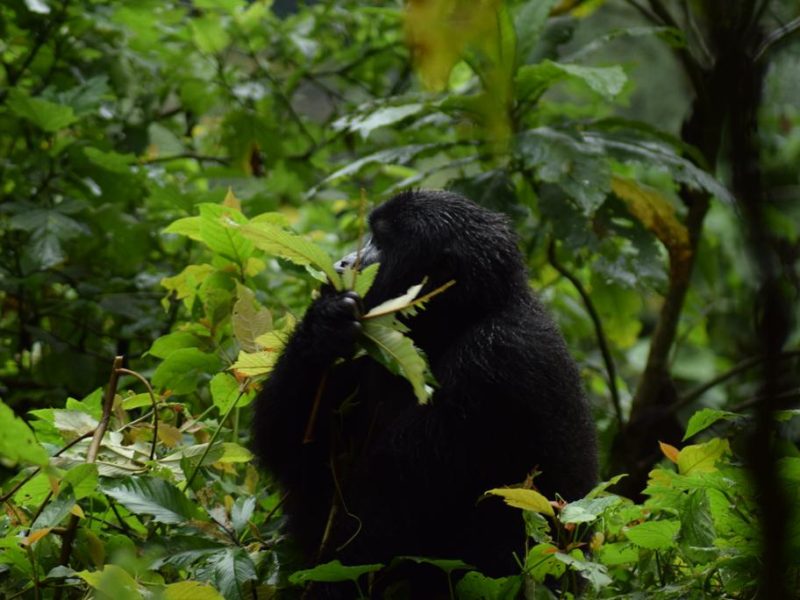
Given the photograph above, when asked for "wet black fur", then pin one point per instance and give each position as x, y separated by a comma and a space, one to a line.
509, 401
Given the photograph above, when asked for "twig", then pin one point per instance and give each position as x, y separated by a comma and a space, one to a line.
184, 155
91, 457
602, 341
777, 36
155, 407
747, 364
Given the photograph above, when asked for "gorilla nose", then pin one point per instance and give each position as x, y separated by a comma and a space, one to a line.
344, 262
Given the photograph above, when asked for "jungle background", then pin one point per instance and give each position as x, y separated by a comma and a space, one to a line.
647, 152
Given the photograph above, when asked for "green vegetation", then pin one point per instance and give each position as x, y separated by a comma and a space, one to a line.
174, 176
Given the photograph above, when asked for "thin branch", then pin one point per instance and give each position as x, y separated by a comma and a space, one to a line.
598, 330
91, 456
776, 37
742, 367
154, 403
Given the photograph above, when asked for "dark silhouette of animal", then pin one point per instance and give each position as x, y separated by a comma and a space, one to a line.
405, 478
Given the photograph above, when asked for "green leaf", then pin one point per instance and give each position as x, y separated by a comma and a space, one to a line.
17, 442
525, 499
188, 226
364, 124
183, 369
533, 80
446, 565
55, 511
191, 590
397, 353
226, 390
167, 344
234, 453
112, 582
110, 161
332, 572
360, 281
394, 305
702, 458
82, 479
217, 233
587, 510
209, 34
230, 571
46, 115
654, 535
580, 169
697, 532
530, 20
705, 418
291, 247
153, 497
617, 554
255, 364
477, 586
596, 574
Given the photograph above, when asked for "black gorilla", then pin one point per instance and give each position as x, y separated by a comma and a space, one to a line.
407, 478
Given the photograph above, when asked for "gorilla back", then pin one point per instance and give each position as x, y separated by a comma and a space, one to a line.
406, 478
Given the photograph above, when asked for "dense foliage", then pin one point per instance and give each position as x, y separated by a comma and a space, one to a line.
154, 157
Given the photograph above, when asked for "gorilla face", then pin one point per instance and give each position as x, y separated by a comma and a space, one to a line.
439, 236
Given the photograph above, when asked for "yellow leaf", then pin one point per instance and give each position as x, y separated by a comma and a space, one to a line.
656, 213
169, 435
231, 201
438, 31
671, 452
254, 364
78, 511
525, 499
702, 458
35, 536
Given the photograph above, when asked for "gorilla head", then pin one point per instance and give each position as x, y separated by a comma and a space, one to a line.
405, 479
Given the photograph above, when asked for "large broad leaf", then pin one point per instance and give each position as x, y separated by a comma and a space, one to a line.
705, 418
525, 499
385, 344
191, 590
587, 510
46, 115
230, 571
529, 20
477, 586
654, 535
332, 572
393, 156
292, 247
255, 364
17, 442
702, 458
533, 80
182, 370
366, 122
222, 239
112, 582
153, 497
250, 320
580, 169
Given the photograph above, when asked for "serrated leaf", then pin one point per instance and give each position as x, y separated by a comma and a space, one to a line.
587, 510
218, 234
705, 418
525, 499
395, 304
702, 458
362, 280
291, 247
153, 497
17, 442
249, 320
332, 572
654, 535
46, 115
397, 353
255, 364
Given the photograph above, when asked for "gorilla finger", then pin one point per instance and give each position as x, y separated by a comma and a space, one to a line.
353, 304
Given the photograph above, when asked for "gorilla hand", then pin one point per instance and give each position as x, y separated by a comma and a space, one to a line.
331, 326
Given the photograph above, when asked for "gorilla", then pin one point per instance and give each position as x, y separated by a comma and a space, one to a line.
406, 479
